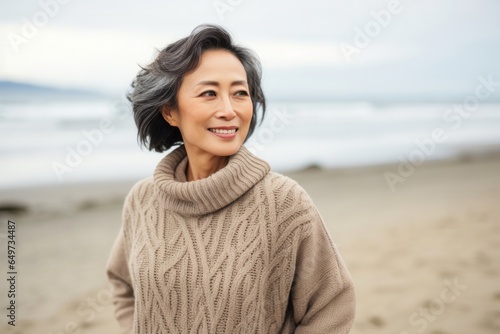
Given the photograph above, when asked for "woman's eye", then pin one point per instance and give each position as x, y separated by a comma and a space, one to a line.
242, 93
208, 93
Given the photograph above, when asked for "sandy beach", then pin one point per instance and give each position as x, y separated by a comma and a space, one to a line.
425, 258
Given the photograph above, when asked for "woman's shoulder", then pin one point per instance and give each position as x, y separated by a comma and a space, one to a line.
286, 189
291, 205
279, 182
139, 191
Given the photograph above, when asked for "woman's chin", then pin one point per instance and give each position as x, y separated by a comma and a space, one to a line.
226, 150
215, 146
224, 147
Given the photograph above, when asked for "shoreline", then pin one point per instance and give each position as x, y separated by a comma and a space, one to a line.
62, 198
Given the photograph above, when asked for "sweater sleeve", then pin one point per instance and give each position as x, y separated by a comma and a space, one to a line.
322, 292
119, 278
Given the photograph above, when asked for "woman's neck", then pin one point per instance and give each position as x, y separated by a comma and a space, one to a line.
202, 165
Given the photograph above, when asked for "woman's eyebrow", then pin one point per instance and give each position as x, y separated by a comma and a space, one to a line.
216, 83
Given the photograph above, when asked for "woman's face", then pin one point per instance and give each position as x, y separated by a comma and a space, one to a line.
214, 108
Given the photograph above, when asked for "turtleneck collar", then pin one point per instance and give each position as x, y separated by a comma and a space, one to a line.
210, 194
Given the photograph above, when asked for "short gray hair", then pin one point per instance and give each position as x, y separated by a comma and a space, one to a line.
157, 84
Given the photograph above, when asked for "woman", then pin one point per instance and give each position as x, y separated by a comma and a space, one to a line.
215, 242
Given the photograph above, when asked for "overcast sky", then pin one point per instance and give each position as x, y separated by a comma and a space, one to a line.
308, 48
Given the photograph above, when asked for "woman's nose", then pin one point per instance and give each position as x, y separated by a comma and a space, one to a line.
226, 109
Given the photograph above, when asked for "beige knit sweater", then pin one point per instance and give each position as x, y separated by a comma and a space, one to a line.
242, 251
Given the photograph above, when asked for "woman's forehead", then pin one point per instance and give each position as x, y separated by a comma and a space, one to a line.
217, 65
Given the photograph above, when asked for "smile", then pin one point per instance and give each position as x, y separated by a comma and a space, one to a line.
223, 131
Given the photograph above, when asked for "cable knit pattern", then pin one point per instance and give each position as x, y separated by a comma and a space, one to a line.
242, 251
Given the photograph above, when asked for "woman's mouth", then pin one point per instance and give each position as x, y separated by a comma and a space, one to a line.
223, 131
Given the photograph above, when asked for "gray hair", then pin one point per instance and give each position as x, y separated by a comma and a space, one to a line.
157, 84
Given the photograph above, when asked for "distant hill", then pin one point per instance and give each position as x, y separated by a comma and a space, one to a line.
25, 92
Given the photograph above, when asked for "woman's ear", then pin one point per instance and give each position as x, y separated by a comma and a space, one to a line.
170, 115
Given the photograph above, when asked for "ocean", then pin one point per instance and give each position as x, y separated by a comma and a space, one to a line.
80, 141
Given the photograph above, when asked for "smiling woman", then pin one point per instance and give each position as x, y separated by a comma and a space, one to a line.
215, 242
213, 112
